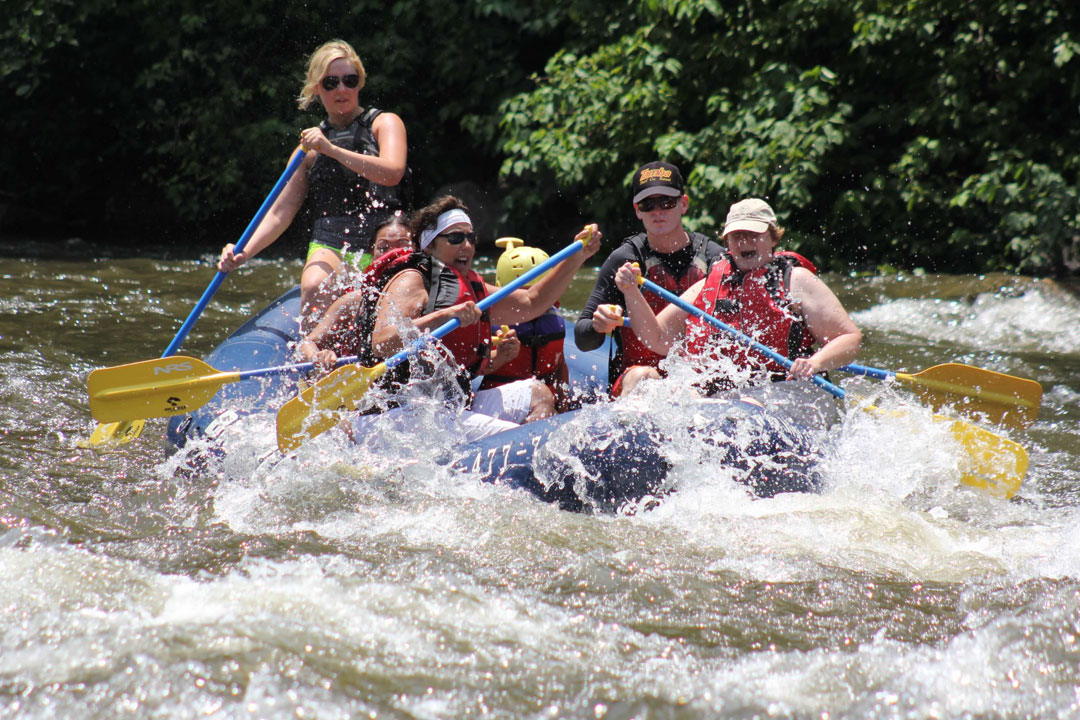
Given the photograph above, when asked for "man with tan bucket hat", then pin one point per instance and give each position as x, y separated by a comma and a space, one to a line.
775, 297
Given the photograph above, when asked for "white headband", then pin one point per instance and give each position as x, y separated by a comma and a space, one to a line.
448, 218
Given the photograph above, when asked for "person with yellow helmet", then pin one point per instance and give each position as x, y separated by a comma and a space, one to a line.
539, 342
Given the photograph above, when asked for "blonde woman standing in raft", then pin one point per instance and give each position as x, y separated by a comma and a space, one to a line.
355, 164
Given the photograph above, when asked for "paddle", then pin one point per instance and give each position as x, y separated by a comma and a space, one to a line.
127, 430
993, 463
997, 397
1000, 398
173, 386
168, 386
343, 387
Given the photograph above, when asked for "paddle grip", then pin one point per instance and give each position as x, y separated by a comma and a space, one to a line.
741, 337
219, 277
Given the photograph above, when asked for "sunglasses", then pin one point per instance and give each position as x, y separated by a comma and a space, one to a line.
330, 82
663, 202
456, 238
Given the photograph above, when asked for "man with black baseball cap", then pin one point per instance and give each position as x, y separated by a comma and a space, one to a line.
668, 255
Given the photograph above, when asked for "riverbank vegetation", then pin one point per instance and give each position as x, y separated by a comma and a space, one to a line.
942, 134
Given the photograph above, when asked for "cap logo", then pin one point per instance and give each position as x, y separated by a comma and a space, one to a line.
654, 174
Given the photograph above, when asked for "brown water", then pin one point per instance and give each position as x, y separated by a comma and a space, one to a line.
330, 586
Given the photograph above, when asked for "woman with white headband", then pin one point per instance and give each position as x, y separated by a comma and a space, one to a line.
431, 293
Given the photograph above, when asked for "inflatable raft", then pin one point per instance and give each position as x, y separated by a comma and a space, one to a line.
605, 457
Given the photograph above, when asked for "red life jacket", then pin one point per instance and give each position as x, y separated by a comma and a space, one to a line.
352, 335
634, 352
757, 303
446, 287
541, 353
469, 345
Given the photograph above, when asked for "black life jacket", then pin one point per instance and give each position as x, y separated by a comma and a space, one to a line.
338, 198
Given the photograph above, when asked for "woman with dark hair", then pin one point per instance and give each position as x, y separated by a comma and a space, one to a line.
439, 284
345, 329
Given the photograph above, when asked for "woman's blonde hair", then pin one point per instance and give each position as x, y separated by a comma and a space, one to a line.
319, 62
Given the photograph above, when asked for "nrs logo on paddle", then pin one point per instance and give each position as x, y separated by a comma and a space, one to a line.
172, 367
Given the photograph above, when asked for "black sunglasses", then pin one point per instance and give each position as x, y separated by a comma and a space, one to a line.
456, 238
664, 202
331, 81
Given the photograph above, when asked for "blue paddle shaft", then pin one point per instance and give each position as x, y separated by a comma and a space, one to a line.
296, 368
439, 332
450, 325
868, 371
741, 337
211, 289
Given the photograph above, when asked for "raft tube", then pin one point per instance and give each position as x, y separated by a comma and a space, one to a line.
267, 339
606, 457
609, 459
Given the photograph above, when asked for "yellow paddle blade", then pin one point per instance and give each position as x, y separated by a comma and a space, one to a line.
163, 387
1001, 398
993, 463
116, 433
314, 411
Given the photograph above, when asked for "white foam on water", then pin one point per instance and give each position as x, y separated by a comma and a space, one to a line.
1041, 320
892, 501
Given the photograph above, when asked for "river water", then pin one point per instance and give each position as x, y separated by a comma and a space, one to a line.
329, 586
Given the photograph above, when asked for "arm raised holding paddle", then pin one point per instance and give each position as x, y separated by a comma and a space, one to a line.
443, 288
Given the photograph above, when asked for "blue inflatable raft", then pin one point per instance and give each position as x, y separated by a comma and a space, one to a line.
601, 458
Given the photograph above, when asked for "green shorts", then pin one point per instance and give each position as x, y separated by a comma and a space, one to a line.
359, 260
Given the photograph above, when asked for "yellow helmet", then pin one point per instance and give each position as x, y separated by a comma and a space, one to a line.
516, 260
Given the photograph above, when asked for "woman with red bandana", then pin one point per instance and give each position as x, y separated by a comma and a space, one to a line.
774, 297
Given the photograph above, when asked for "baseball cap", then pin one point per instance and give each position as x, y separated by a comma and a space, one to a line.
657, 178
751, 214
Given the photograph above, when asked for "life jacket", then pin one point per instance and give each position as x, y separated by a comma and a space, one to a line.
633, 350
339, 198
757, 303
471, 345
541, 353
352, 334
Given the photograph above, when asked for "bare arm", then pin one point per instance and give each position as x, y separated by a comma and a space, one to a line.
532, 302
386, 168
658, 332
341, 312
405, 297
277, 219
828, 323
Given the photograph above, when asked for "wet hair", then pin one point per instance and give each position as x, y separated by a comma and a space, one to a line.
427, 217
386, 219
319, 62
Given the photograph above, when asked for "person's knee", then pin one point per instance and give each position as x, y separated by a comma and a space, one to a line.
635, 375
310, 284
542, 404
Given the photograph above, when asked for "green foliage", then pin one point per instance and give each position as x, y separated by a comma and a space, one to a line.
901, 133
866, 125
